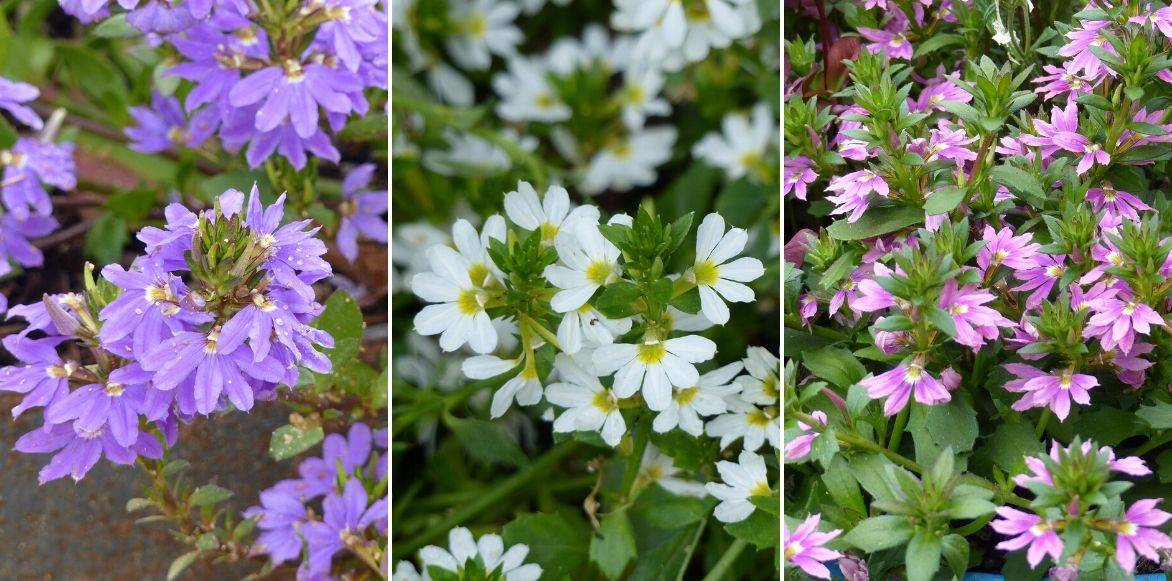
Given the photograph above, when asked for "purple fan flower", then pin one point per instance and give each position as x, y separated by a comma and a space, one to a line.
975, 323
1063, 80
352, 452
361, 212
890, 41
78, 451
1090, 34
13, 95
899, 384
14, 240
1131, 465
215, 59
1003, 248
282, 519
1041, 278
798, 175
29, 164
159, 17
853, 189
1138, 533
345, 519
294, 91
219, 365
286, 141
1117, 321
1027, 530
114, 405
44, 377
148, 311
350, 26
163, 125
295, 254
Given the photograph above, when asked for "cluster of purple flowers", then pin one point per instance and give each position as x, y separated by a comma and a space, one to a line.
255, 92
32, 166
168, 349
350, 480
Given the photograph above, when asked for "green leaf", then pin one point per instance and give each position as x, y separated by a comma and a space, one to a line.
838, 366
688, 301
613, 545
137, 504
741, 202
761, 529
207, 542
1009, 444
209, 495
105, 240
1110, 426
880, 532
1019, 181
923, 556
180, 564
941, 320
664, 510
1158, 416
956, 552
843, 487
839, 268
952, 425
1164, 466
557, 542
98, 78
618, 300
289, 441
944, 200
687, 451
936, 42
371, 127
115, 27
969, 507
487, 442
133, 205
876, 222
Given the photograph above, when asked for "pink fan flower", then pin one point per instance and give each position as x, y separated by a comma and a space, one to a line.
1003, 248
807, 307
975, 323
1063, 80
854, 189
899, 384
940, 91
799, 447
1117, 321
945, 143
1027, 530
1062, 133
1055, 390
806, 547
1137, 533
1116, 202
1041, 278
798, 174
1081, 40
872, 297
890, 40
1130, 465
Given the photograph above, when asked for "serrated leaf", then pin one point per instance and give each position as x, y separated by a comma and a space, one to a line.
1158, 416
487, 442
760, 528
617, 300
557, 542
879, 532
612, 546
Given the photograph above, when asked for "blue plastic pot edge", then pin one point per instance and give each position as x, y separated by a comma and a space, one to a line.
836, 573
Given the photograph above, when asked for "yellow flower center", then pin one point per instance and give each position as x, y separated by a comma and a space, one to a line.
469, 302
761, 489
479, 274
599, 272
114, 389
958, 309
1000, 255
685, 396
634, 94
622, 150
605, 402
293, 71
545, 100
651, 353
476, 26
913, 374
706, 273
1066, 380
61, 371
759, 418
769, 386
548, 231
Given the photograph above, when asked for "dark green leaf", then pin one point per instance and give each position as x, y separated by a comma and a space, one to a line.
876, 222
487, 442
557, 542
613, 545
289, 441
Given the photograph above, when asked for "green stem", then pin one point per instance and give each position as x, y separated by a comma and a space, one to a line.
897, 431
635, 460
720, 570
692, 548
502, 490
1153, 443
1041, 427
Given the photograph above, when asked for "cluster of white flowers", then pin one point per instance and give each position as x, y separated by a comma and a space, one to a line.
487, 554
590, 97
599, 369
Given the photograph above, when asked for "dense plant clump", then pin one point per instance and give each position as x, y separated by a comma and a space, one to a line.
585, 205
977, 264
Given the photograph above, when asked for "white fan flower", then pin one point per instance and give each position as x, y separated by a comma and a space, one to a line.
485, 28
629, 162
590, 262
718, 279
640, 96
747, 422
526, 94
654, 366
551, 215
410, 255
742, 481
661, 469
672, 34
740, 150
589, 406
524, 387
706, 398
761, 386
463, 547
460, 314
467, 155
473, 247
586, 327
